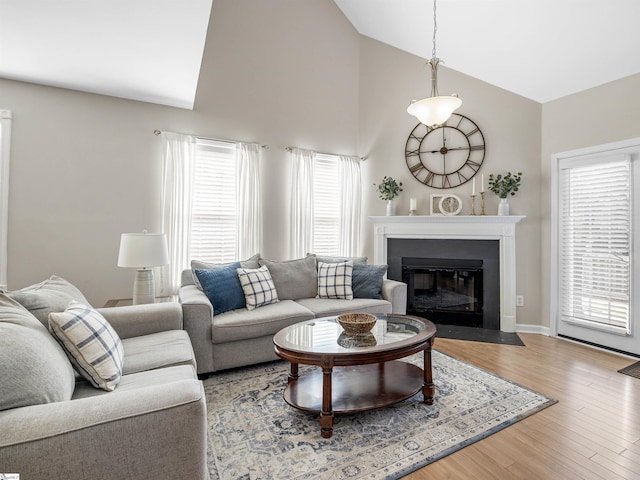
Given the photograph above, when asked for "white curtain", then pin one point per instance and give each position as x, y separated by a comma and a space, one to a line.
249, 214
301, 221
177, 180
351, 191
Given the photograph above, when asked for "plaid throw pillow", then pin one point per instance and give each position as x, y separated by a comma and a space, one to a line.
334, 280
92, 345
258, 287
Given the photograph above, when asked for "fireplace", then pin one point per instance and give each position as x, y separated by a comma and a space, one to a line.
444, 290
449, 270
495, 233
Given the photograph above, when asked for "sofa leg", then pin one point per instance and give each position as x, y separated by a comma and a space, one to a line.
203, 376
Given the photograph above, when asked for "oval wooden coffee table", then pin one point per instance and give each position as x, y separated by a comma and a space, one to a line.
358, 373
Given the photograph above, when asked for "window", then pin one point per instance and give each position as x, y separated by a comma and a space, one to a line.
595, 243
326, 202
214, 213
5, 138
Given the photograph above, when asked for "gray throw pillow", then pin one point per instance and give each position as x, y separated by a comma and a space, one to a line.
328, 259
52, 295
251, 262
294, 279
366, 280
35, 369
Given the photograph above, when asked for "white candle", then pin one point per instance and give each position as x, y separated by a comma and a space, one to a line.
412, 204
482, 184
473, 186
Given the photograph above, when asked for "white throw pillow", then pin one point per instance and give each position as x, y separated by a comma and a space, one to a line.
92, 345
258, 287
334, 280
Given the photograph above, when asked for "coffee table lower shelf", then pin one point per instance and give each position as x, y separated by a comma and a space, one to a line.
357, 388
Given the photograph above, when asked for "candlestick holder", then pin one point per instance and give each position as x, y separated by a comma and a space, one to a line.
482, 212
473, 204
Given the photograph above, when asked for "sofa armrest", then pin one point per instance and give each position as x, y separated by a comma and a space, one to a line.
396, 293
137, 320
197, 314
130, 434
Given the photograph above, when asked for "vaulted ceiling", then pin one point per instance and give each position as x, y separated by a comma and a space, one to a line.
151, 50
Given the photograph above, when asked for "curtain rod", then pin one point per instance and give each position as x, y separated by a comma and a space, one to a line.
157, 132
288, 149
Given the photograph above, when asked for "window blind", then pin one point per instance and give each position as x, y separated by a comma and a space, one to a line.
213, 222
326, 193
595, 244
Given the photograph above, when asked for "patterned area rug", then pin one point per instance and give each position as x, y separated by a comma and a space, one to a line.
254, 434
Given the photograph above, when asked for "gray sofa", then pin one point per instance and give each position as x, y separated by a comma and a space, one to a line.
153, 425
243, 337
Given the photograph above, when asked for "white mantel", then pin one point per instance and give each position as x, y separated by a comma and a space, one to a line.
476, 227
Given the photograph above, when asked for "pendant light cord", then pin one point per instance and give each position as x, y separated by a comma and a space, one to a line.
435, 28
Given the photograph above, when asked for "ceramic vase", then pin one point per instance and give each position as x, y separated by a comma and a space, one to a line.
503, 207
391, 208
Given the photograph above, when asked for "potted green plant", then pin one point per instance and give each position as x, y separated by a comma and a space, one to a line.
503, 186
388, 189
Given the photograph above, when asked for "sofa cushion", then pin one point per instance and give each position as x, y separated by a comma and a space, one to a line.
251, 262
258, 287
294, 279
328, 307
334, 280
34, 368
222, 287
92, 345
244, 324
157, 350
52, 295
328, 259
366, 281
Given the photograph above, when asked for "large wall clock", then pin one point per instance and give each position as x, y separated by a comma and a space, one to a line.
446, 156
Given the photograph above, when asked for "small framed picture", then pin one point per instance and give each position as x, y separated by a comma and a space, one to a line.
434, 208
445, 204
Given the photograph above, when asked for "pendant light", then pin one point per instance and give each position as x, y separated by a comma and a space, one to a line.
434, 110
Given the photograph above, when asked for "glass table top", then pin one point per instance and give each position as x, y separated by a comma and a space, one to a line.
325, 335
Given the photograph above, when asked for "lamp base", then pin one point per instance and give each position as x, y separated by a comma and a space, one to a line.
144, 287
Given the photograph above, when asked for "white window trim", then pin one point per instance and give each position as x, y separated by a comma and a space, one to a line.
5, 149
631, 146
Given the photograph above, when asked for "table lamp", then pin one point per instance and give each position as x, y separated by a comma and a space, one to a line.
143, 251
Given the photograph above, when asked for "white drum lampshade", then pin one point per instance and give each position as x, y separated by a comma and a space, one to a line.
143, 251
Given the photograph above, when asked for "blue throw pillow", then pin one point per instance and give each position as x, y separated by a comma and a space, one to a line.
366, 280
222, 287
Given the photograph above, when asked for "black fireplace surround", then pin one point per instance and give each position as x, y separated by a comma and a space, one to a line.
453, 282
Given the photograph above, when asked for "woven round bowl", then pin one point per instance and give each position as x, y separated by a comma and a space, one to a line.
357, 323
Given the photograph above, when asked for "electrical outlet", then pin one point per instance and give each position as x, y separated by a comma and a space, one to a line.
519, 300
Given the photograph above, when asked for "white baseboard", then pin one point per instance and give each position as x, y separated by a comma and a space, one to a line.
539, 329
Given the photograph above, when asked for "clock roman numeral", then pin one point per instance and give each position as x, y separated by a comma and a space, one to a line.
417, 168
476, 147
429, 179
475, 130
461, 178
413, 153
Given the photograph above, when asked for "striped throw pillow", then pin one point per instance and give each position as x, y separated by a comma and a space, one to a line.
334, 280
92, 345
258, 287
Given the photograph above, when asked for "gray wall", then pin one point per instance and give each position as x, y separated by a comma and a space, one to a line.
86, 168
389, 79
605, 114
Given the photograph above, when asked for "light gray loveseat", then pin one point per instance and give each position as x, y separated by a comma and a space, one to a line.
243, 337
54, 424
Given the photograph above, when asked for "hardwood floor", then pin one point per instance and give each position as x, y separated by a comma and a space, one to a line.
593, 432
